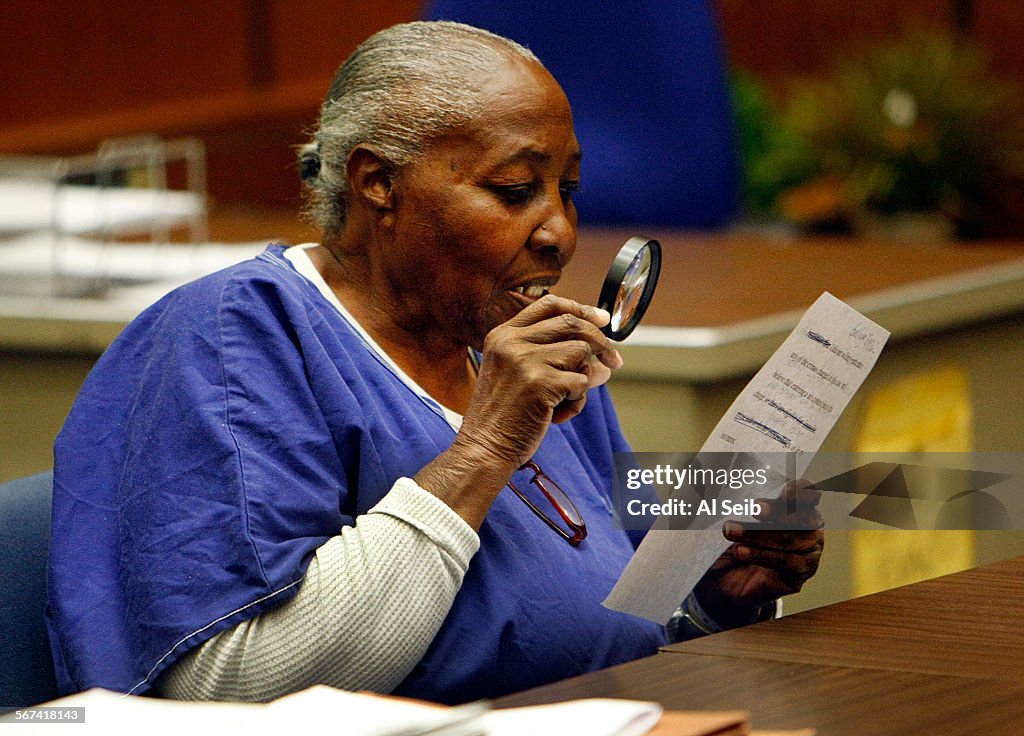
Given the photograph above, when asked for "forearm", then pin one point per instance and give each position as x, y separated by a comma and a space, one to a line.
467, 477
371, 602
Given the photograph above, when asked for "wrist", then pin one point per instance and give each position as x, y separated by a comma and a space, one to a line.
726, 614
471, 451
467, 477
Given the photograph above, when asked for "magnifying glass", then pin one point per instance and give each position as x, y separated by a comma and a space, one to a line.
629, 285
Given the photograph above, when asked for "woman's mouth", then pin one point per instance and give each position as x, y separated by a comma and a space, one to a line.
531, 292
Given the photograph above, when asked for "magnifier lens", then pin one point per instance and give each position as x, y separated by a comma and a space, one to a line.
629, 285
631, 290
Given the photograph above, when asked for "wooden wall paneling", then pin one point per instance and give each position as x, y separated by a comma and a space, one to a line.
253, 164
296, 52
64, 59
31, 52
999, 26
778, 38
259, 44
248, 75
313, 37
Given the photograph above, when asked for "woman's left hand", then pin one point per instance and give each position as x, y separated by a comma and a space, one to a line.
763, 564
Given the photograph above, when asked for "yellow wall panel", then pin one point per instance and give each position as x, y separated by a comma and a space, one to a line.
927, 412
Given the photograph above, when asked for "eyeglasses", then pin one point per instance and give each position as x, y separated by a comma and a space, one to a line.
567, 515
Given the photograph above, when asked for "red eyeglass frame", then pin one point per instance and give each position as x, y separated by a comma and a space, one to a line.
578, 527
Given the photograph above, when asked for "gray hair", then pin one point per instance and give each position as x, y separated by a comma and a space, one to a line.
398, 91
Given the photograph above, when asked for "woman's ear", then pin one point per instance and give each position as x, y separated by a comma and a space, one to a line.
369, 178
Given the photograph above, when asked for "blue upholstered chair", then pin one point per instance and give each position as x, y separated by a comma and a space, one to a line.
26, 669
648, 86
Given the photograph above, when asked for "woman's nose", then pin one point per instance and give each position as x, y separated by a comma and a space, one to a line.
556, 233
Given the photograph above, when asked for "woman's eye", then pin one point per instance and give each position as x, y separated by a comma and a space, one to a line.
515, 193
519, 194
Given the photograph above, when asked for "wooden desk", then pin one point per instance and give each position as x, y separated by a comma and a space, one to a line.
938, 657
838, 701
966, 625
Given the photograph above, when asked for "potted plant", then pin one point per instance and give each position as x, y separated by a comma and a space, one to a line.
913, 139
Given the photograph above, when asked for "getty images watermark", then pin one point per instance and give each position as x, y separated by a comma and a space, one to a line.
688, 477
978, 491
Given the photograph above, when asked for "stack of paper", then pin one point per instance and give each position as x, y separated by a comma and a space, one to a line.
360, 714
40, 205
37, 253
354, 714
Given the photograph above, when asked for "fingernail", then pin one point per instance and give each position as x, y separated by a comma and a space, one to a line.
618, 361
732, 528
602, 316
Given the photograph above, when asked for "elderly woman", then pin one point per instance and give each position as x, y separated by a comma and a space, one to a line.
300, 470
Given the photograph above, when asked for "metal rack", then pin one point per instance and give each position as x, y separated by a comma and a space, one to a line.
66, 222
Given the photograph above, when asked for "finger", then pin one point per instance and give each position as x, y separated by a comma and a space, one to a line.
558, 371
567, 410
786, 540
567, 386
574, 401
777, 517
567, 326
793, 565
599, 373
801, 492
578, 355
758, 534
550, 305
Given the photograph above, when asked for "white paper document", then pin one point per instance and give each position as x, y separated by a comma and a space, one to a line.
352, 714
788, 408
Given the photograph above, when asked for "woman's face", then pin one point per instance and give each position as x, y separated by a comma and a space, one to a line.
484, 220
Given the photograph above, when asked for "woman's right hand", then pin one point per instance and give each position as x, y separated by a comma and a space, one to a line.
537, 369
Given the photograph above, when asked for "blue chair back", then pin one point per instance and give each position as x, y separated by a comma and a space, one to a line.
26, 667
648, 86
